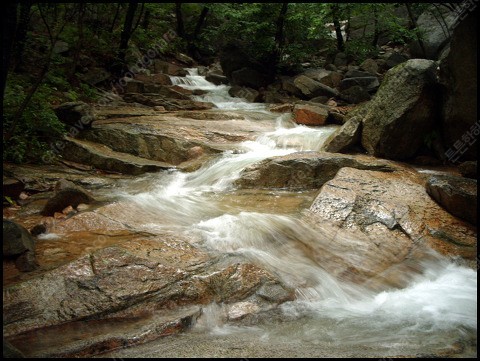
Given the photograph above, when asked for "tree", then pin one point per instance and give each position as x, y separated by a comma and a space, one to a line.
338, 29
9, 23
125, 35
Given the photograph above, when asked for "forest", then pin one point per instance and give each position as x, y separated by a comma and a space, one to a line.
55, 53
240, 180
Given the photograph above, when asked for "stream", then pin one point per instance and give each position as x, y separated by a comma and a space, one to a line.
435, 311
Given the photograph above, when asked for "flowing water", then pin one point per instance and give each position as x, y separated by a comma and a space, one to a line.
435, 310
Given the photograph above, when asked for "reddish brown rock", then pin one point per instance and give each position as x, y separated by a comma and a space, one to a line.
309, 115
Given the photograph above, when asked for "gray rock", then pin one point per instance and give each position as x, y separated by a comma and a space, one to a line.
249, 77
16, 239
216, 78
402, 112
340, 59
354, 94
344, 138
457, 195
311, 88
304, 169
369, 83
395, 59
435, 25
251, 95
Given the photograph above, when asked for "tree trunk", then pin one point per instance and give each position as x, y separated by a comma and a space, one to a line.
376, 32
112, 27
146, 19
9, 21
180, 26
79, 45
191, 40
338, 29
279, 34
21, 34
414, 23
126, 34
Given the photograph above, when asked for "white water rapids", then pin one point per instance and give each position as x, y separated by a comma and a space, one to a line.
435, 309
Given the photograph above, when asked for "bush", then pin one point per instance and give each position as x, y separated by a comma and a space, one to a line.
36, 129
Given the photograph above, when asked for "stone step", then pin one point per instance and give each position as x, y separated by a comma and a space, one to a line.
93, 337
103, 157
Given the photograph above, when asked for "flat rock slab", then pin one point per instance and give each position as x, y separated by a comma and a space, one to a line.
302, 170
102, 157
89, 338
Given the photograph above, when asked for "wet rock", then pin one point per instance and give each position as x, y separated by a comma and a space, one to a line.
284, 108
75, 114
321, 99
16, 239
344, 138
216, 79
38, 229
66, 194
309, 114
19, 244
304, 169
103, 157
468, 169
457, 195
251, 95
311, 88
402, 113
378, 220
127, 281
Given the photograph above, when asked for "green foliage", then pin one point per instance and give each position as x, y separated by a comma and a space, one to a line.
39, 124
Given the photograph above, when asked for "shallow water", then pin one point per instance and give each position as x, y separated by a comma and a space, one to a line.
435, 311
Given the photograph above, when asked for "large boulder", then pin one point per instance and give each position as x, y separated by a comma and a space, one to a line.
458, 74
344, 138
381, 222
435, 24
310, 88
468, 169
250, 78
403, 111
251, 73
305, 169
18, 243
66, 194
457, 195
75, 114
